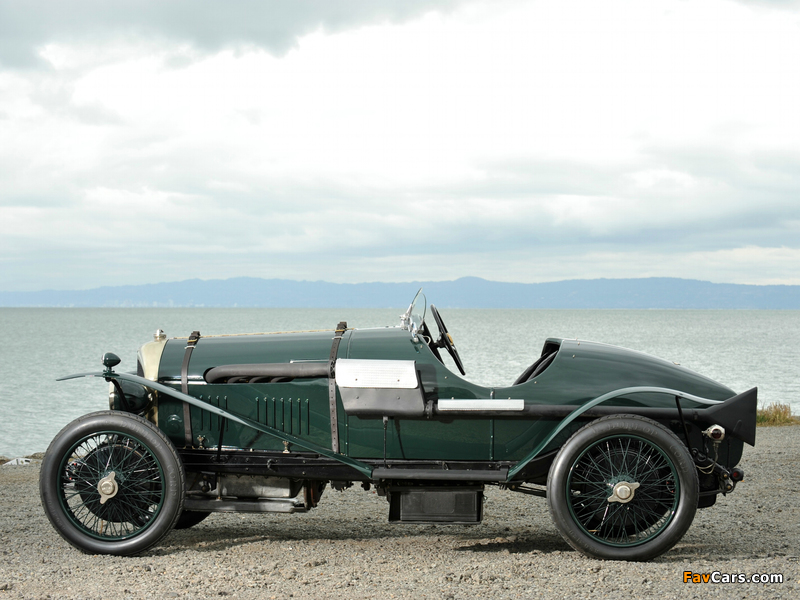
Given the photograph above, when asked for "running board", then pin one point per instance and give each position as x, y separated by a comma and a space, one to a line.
440, 475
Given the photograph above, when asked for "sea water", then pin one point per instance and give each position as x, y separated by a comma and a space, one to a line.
739, 348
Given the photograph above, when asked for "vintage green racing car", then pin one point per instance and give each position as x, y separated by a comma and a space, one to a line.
625, 447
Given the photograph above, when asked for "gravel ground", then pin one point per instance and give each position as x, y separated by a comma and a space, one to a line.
346, 549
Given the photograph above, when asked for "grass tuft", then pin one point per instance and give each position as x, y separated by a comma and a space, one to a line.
776, 414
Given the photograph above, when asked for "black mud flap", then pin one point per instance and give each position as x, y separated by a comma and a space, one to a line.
737, 415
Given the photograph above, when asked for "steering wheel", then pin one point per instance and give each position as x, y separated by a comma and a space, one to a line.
445, 341
427, 335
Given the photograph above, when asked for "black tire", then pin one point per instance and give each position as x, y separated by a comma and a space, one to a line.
135, 465
595, 503
190, 518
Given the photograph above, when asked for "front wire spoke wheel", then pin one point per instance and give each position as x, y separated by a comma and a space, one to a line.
623, 488
138, 496
112, 483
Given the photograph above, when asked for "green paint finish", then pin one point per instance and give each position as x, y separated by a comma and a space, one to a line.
299, 410
515, 438
246, 349
581, 372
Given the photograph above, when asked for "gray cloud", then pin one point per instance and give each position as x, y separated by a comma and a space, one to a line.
94, 192
736, 204
778, 4
206, 25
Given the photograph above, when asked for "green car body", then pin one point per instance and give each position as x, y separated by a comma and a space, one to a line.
580, 372
293, 412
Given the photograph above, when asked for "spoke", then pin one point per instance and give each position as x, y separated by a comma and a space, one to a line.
126, 517
617, 521
136, 508
656, 510
131, 453
603, 470
587, 510
598, 495
661, 482
645, 517
114, 519
143, 459
660, 495
653, 508
124, 510
653, 469
140, 492
638, 462
69, 496
154, 479
603, 520
92, 520
83, 464
652, 528
109, 444
114, 514
84, 504
610, 459
625, 452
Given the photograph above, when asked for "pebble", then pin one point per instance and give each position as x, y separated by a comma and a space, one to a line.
345, 548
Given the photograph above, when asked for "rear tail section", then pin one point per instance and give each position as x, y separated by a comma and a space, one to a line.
737, 415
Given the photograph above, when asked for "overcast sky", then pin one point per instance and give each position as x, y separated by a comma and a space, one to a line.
356, 141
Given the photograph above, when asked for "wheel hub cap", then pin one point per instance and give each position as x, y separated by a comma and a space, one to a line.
107, 487
623, 492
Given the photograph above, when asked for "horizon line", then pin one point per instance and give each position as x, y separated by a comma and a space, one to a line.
415, 282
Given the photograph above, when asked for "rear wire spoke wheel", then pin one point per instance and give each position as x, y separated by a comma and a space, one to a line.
623, 488
112, 483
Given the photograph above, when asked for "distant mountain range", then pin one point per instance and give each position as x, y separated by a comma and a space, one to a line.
467, 292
